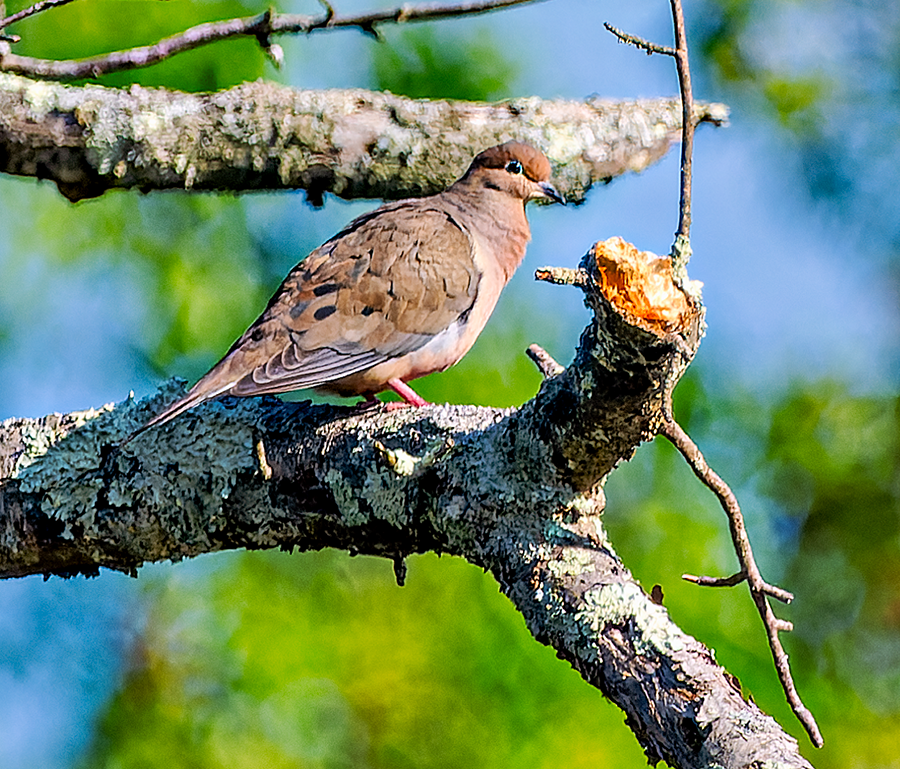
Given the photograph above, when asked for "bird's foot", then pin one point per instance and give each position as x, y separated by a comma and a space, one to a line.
371, 402
406, 392
395, 405
410, 398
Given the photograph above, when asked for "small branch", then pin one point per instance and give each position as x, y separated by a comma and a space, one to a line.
31, 11
681, 248
639, 42
90, 139
544, 361
687, 128
749, 572
735, 579
329, 9
261, 26
562, 276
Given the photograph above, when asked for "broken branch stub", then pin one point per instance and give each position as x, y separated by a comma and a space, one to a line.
645, 330
641, 286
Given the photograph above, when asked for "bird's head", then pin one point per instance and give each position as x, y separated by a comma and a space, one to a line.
515, 168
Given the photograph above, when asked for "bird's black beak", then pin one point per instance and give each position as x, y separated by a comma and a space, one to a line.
550, 192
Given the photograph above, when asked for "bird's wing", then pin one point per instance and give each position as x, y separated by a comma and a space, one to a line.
382, 288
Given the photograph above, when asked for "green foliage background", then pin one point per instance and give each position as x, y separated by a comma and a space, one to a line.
321, 660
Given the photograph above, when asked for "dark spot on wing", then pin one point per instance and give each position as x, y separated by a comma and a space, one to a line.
324, 312
327, 288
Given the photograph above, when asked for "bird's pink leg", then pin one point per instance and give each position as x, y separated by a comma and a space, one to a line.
407, 393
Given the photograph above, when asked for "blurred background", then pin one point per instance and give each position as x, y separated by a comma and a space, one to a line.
319, 660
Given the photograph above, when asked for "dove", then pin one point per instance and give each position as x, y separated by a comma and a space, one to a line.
400, 292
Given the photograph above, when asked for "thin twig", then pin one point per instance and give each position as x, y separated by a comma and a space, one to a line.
329, 9
734, 579
681, 247
5, 21
261, 26
544, 361
562, 276
687, 121
639, 42
759, 588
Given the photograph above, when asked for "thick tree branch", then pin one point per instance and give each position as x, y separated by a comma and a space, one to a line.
263, 27
354, 144
515, 491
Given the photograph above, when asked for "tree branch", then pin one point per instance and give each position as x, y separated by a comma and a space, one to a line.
516, 491
681, 248
683, 234
351, 143
263, 26
749, 573
681, 252
544, 361
639, 42
44, 5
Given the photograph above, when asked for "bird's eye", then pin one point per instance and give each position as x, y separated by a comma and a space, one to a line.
514, 167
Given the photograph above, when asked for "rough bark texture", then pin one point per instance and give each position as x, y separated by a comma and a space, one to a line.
517, 491
355, 144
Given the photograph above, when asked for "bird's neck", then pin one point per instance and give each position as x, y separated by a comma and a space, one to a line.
499, 220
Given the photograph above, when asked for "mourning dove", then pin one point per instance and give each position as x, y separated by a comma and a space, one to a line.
401, 292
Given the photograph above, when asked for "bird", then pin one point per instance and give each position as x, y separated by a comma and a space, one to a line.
400, 292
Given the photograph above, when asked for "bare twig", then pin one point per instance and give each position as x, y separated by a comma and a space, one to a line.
759, 588
5, 21
329, 9
681, 247
639, 42
261, 26
544, 361
687, 128
734, 579
562, 276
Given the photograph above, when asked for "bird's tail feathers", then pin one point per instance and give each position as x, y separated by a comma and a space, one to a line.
194, 397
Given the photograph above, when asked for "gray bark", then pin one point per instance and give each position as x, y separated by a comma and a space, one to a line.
354, 143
